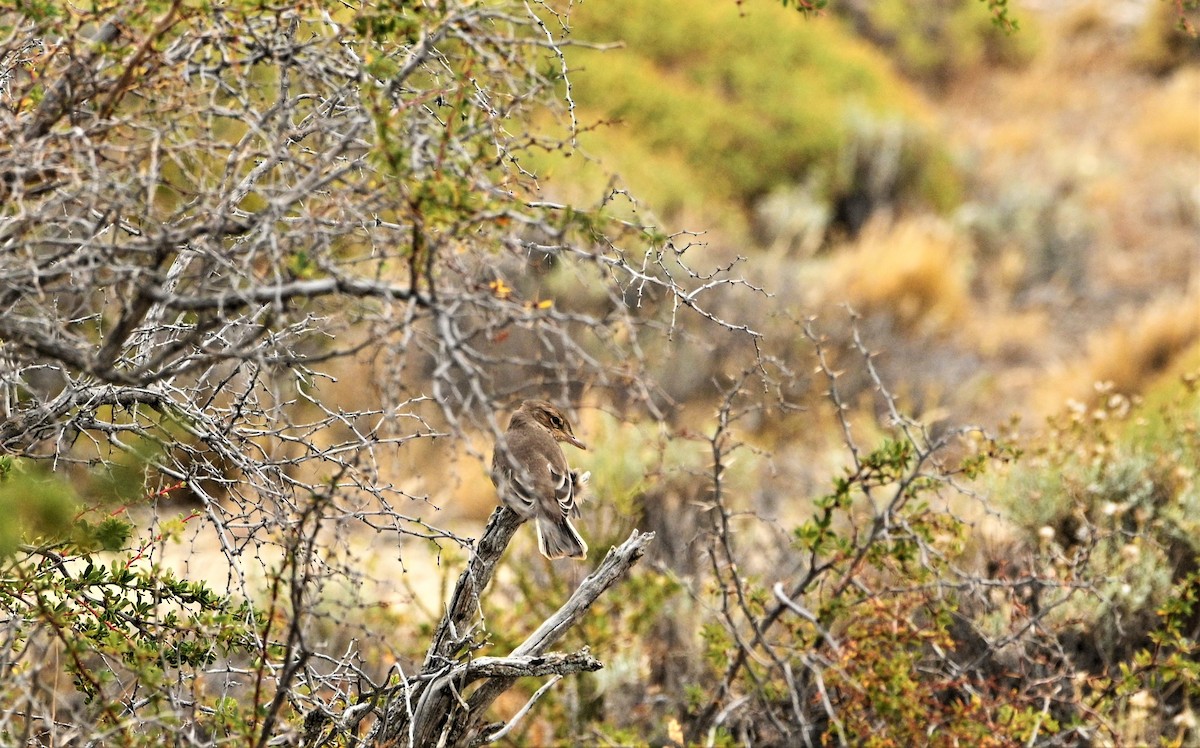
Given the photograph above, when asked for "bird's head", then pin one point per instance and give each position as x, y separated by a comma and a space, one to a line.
552, 419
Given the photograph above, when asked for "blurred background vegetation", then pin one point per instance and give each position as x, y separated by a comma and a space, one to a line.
1014, 218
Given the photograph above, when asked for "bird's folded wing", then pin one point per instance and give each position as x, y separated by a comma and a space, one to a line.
565, 484
520, 495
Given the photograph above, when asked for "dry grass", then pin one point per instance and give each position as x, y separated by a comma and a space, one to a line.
1009, 337
917, 271
1160, 45
1170, 118
1130, 354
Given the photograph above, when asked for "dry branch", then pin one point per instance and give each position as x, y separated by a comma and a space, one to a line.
435, 710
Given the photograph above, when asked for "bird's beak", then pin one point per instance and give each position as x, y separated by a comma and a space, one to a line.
575, 442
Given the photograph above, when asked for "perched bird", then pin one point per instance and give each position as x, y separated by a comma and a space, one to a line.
533, 479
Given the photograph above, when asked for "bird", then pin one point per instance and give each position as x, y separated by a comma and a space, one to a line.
532, 476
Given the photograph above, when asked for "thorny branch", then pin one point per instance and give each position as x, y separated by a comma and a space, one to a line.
282, 253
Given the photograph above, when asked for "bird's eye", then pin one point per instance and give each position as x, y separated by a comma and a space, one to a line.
558, 422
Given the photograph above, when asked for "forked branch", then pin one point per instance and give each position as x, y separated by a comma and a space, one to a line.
434, 708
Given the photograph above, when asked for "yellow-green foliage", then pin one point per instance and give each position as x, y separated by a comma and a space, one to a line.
731, 102
32, 506
1171, 405
936, 40
1161, 43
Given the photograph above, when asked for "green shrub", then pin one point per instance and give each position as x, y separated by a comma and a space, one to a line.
1110, 496
745, 103
938, 41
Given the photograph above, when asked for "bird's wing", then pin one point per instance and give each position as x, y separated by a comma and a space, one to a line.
542, 479
517, 490
564, 489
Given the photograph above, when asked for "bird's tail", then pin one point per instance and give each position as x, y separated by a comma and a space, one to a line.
558, 538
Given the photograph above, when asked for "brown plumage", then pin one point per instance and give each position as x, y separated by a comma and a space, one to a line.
532, 476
